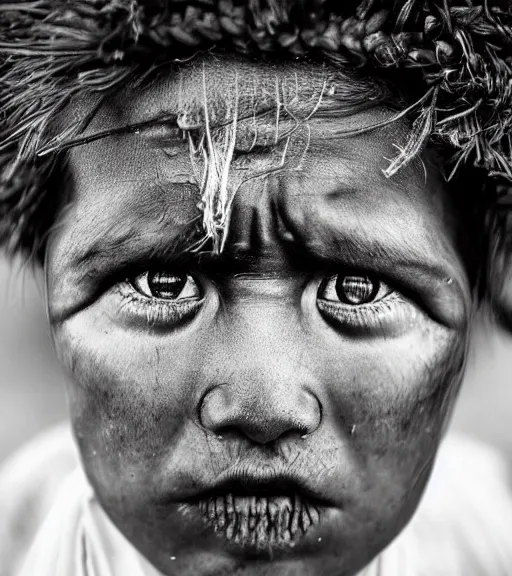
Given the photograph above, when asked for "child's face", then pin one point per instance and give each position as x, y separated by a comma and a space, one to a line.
275, 409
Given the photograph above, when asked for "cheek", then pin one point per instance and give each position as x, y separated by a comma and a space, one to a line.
412, 387
129, 397
394, 408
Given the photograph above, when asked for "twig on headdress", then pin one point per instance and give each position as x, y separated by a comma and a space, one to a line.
384, 123
421, 130
459, 115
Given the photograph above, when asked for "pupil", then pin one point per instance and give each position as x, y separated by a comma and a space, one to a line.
355, 289
164, 285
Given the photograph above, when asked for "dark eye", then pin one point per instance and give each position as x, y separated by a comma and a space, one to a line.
350, 289
166, 286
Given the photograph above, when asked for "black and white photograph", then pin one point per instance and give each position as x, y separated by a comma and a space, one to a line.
255, 288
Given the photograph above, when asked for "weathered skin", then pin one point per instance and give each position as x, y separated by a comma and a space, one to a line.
258, 372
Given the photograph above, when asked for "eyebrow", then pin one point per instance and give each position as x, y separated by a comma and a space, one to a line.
134, 245
360, 250
147, 233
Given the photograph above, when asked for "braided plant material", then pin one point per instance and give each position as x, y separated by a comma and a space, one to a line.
456, 53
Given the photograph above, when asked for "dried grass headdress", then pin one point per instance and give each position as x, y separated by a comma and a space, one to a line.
459, 52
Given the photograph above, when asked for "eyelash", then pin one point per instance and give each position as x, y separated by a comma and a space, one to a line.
156, 311
373, 316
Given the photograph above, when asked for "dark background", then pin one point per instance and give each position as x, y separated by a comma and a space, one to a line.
32, 384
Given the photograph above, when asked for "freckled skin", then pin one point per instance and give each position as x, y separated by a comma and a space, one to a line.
374, 402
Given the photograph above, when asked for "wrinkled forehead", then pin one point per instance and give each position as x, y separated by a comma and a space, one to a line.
246, 120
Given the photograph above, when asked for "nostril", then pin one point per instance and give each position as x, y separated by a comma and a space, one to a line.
261, 417
310, 416
214, 409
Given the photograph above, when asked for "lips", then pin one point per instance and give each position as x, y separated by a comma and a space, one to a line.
260, 521
259, 515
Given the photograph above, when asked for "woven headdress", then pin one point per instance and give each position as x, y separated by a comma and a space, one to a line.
458, 53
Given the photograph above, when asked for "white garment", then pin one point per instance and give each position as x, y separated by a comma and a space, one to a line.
463, 527
78, 539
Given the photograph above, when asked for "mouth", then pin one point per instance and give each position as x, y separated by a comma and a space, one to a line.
258, 514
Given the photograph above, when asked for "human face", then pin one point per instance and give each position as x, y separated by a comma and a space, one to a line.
274, 408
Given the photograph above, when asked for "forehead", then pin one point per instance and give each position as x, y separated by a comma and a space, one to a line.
291, 121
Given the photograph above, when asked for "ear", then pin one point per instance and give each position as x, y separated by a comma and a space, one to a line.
499, 280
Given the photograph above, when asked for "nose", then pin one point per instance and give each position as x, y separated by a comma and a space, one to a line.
263, 416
